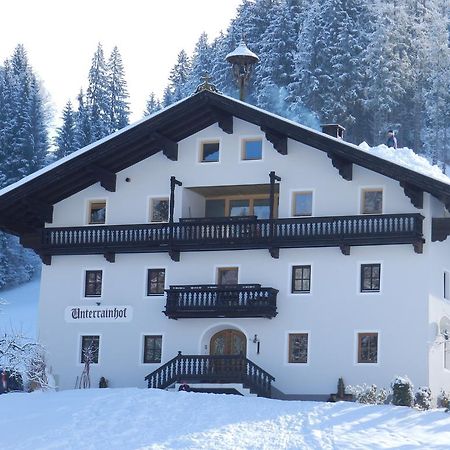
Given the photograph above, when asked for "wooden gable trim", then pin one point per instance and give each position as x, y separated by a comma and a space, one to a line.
413, 193
106, 178
278, 140
344, 166
440, 229
167, 145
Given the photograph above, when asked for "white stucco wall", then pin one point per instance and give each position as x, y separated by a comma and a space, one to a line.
332, 314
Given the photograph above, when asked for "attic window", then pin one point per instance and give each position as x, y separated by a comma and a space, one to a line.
251, 149
159, 210
97, 212
209, 152
372, 201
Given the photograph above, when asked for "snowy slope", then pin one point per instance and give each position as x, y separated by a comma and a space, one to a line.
152, 419
21, 311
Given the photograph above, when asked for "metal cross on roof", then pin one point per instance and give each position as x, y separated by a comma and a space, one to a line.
206, 85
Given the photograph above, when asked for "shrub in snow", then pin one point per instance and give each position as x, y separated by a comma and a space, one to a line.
423, 398
23, 358
402, 392
368, 394
443, 400
103, 383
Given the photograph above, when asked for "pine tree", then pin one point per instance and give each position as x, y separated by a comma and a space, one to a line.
65, 140
179, 76
117, 111
153, 105
201, 63
97, 95
83, 127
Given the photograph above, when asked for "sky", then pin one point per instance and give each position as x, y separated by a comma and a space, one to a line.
61, 37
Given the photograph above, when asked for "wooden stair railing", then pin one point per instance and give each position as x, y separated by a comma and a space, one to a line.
212, 369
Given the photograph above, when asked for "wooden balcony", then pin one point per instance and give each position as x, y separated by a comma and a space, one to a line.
212, 369
212, 300
232, 233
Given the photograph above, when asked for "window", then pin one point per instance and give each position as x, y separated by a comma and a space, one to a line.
227, 275
93, 283
446, 285
156, 281
251, 149
301, 279
447, 354
89, 349
372, 201
152, 349
209, 152
298, 348
367, 347
370, 277
231, 206
159, 210
97, 212
302, 204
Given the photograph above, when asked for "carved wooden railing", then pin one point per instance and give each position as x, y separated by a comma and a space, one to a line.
212, 300
231, 233
212, 369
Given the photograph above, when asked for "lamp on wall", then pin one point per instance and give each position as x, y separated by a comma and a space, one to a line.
257, 342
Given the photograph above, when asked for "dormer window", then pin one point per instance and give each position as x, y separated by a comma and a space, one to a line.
209, 151
97, 212
251, 149
372, 201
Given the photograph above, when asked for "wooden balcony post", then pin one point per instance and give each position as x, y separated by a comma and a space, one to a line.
173, 182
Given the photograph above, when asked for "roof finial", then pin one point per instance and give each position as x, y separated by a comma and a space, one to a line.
206, 85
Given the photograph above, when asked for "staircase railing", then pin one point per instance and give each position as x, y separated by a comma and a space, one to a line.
212, 369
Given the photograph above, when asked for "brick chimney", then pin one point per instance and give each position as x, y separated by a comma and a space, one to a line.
333, 129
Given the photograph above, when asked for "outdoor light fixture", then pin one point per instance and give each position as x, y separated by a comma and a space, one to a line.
242, 59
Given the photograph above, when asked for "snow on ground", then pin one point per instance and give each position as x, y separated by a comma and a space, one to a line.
407, 158
152, 419
20, 312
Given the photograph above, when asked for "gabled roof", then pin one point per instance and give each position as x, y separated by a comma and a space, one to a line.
26, 205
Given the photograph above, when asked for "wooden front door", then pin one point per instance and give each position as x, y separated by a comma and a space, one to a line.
228, 342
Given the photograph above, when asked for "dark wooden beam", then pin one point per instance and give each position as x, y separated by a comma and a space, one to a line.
274, 252
413, 193
225, 122
46, 259
110, 257
174, 255
31, 240
39, 209
418, 246
169, 147
278, 140
345, 249
106, 178
344, 166
440, 229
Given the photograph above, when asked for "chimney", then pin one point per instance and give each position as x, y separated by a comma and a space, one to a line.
333, 129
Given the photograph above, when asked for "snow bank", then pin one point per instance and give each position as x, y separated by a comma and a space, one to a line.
152, 419
407, 158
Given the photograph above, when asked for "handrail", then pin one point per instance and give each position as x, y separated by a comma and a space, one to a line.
202, 233
210, 369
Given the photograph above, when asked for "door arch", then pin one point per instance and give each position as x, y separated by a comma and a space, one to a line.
228, 342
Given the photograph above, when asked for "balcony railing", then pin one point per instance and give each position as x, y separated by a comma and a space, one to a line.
239, 300
230, 234
212, 369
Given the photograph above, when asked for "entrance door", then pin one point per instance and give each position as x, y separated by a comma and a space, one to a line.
228, 342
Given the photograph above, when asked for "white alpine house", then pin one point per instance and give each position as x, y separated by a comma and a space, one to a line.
275, 258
